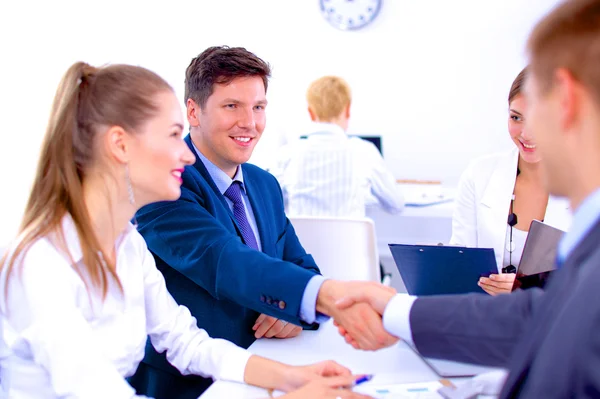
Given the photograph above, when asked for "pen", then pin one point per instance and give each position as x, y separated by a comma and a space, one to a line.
362, 379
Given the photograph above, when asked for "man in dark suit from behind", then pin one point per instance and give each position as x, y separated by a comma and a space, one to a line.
548, 340
226, 248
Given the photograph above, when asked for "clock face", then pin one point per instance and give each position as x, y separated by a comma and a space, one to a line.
350, 14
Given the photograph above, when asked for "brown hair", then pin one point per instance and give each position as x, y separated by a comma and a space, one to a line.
568, 37
87, 99
328, 96
517, 85
221, 65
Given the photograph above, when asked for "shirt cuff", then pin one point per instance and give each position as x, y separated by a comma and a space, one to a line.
396, 316
234, 363
308, 312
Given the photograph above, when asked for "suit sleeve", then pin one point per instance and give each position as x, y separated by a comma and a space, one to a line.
464, 218
192, 241
472, 328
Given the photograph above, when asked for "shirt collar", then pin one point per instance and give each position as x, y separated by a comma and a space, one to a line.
584, 219
221, 179
322, 128
71, 237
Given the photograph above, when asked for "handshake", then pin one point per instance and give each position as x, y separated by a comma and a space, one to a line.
357, 309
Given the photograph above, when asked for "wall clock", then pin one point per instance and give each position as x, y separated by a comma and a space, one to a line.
350, 14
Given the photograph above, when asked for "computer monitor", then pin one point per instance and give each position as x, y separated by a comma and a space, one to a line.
376, 140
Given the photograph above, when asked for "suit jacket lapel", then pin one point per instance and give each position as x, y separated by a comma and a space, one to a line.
259, 208
204, 173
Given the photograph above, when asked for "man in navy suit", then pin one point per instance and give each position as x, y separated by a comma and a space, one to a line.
226, 248
548, 340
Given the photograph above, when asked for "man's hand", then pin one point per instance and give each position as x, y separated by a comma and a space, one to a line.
497, 283
270, 327
375, 295
361, 323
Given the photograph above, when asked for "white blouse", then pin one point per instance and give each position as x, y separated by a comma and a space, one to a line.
483, 200
519, 237
57, 341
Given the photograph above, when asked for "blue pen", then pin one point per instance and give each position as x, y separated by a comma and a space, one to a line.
364, 378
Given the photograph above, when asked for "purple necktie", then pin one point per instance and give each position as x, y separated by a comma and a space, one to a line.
239, 212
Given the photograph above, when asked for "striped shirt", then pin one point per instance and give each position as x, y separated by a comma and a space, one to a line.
332, 174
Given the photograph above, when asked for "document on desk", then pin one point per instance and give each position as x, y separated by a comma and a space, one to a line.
419, 390
427, 195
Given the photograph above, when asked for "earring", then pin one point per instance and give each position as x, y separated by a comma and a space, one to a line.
129, 186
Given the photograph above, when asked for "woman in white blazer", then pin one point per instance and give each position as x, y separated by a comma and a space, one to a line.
79, 290
493, 187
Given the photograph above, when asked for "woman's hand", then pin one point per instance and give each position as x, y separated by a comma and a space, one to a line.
497, 283
298, 376
317, 381
327, 388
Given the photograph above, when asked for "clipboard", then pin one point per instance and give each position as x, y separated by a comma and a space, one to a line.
442, 270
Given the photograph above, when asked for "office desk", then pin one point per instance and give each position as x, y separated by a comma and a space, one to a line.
398, 362
429, 224
414, 225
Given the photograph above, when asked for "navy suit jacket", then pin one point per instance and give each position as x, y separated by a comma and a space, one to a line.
207, 267
548, 340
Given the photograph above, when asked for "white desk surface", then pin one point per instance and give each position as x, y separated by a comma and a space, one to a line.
417, 193
397, 364
430, 224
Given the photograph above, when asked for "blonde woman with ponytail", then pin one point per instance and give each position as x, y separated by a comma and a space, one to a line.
79, 290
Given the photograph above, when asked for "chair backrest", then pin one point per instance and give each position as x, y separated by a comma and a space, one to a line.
344, 249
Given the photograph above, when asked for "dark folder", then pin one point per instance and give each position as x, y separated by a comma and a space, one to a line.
539, 256
440, 270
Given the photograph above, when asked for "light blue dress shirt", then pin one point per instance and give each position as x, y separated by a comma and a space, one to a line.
584, 219
223, 181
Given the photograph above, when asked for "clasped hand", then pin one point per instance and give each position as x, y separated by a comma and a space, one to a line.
357, 308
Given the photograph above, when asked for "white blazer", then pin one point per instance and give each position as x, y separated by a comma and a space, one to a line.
483, 202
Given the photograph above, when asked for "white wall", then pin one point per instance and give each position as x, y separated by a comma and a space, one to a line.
431, 76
